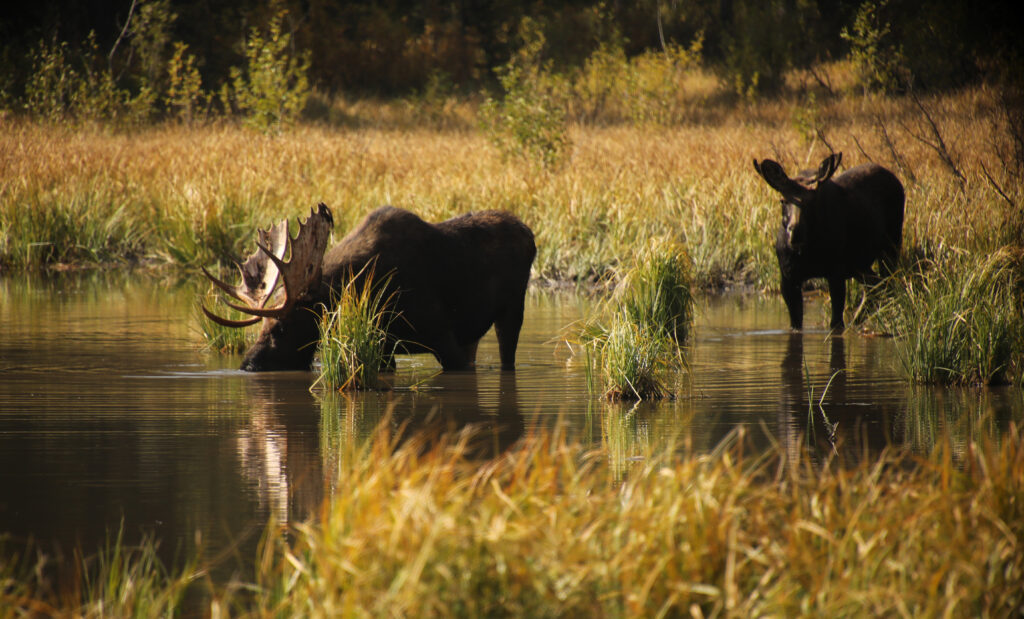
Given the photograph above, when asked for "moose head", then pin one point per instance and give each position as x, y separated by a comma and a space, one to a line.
800, 196
293, 288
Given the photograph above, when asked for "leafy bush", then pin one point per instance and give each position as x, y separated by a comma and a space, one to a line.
875, 54
530, 120
274, 87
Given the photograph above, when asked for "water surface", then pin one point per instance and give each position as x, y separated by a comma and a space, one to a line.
111, 416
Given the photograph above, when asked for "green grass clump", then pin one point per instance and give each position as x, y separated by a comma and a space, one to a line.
640, 327
92, 227
657, 293
959, 320
353, 337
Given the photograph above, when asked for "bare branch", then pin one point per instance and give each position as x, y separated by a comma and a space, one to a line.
939, 145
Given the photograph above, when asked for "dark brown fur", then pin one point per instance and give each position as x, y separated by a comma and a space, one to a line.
450, 282
834, 228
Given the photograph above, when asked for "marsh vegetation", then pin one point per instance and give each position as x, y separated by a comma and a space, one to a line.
632, 167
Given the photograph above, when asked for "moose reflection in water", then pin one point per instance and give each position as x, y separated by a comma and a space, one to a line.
447, 284
824, 410
834, 228
288, 444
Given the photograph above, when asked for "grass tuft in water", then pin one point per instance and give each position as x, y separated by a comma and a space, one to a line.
353, 337
638, 330
959, 319
657, 292
217, 337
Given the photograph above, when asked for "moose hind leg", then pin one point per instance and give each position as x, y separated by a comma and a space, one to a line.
507, 328
837, 291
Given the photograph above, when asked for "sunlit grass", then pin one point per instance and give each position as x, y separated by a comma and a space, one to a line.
190, 195
959, 319
121, 580
551, 528
549, 531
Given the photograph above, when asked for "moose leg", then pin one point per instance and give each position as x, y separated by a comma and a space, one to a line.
507, 329
794, 298
837, 290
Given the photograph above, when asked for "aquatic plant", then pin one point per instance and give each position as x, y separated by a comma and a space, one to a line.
636, 332
657, 292
354, 345
958, 319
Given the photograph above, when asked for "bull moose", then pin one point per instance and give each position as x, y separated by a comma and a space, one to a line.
834, 227
448, 283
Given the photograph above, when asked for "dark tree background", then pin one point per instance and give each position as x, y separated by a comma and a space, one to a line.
395, 46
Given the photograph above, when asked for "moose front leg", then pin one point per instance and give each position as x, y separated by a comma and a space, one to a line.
792, 294
837, 291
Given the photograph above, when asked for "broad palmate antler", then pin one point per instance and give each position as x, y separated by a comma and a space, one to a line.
262, 270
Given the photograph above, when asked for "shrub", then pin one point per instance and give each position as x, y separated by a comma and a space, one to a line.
273, 89
530, 120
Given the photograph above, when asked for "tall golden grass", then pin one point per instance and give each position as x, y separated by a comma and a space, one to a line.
195, 194
553, 529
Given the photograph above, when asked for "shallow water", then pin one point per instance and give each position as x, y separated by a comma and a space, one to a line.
111, 416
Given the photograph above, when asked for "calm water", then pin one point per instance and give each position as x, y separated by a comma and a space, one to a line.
111, 416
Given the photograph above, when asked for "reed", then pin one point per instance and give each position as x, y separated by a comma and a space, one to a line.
354, 345
637, 331
958, 319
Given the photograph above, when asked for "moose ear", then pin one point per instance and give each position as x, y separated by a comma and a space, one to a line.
775, 176
828, 167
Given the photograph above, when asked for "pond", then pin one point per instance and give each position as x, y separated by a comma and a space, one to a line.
112, 417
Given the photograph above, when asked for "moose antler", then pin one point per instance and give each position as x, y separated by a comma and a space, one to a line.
262, 270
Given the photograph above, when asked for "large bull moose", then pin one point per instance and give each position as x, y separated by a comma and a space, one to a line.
834, 227
448, 283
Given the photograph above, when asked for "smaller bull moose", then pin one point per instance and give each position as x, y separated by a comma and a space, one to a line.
447, 282
834, 227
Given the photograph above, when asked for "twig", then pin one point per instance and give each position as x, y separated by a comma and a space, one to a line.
821, 136
939, 146
900, 163
124, 30
996, 186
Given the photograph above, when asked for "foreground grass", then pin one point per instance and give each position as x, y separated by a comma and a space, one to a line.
548, 529
191, 195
